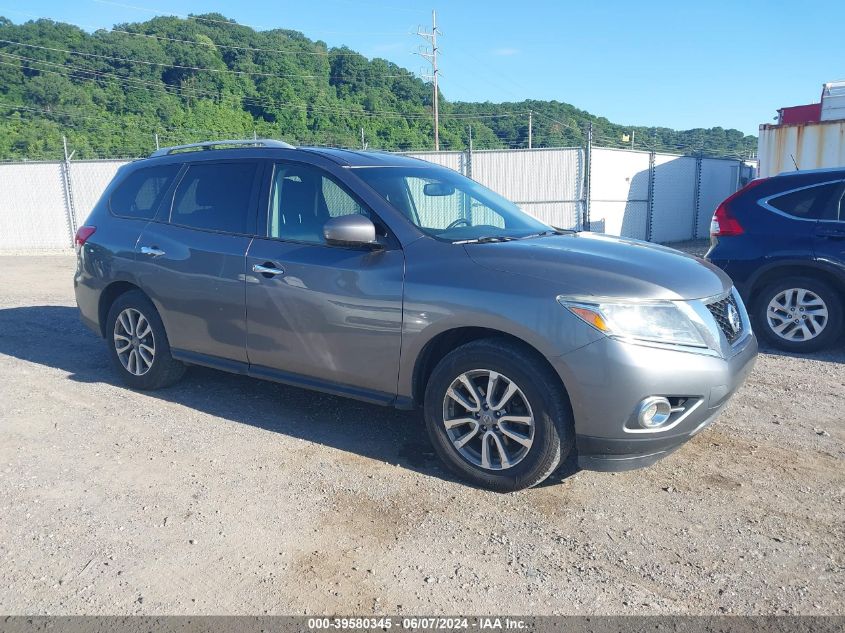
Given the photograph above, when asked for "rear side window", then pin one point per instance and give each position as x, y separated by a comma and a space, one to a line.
839, 205
139, 195
813, 203
215, 196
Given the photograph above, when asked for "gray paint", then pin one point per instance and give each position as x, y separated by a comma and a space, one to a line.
349, 230
355, 320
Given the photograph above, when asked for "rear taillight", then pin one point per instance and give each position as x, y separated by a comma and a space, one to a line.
724, 222
83, 233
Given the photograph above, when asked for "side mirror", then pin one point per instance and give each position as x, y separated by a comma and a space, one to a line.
351, 230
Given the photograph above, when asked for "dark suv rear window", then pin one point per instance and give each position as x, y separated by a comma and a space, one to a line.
812, 203
139, 195
215, 196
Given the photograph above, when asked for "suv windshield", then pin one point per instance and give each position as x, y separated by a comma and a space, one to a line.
446, 205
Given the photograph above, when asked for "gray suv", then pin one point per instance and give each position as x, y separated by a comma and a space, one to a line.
398, 282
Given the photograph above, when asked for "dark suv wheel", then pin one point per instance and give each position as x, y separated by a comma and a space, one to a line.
138, 343
799, 314
496, 416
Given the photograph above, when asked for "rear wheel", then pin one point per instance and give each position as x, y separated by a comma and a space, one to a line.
497, 416
138, 344
799, 314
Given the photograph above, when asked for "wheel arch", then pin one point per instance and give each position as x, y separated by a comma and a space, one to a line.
444, 342
811, 269
108, 296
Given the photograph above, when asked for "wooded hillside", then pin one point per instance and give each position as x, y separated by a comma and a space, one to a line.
206, 77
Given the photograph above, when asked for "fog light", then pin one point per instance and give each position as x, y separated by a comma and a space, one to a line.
654, 412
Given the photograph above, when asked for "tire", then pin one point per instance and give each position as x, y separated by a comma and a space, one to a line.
538, 396
148, 370
813, 333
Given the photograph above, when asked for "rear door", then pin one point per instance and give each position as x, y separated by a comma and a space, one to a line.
791, 231
192, 258
329, 316
830, 230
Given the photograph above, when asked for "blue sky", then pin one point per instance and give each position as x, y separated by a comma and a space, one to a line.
675, 63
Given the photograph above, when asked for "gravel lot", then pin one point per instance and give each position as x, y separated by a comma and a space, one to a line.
226, 495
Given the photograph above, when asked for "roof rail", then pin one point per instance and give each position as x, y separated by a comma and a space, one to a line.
257, 142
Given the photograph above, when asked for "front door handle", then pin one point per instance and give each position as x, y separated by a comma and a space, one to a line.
268, 269
153, 251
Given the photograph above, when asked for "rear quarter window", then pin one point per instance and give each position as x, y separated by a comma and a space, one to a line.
142, 191
820, 202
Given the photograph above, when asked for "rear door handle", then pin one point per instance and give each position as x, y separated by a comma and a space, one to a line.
153, 251
834, 232
268, 269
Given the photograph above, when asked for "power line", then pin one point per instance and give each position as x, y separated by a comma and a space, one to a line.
609, 141
212, 44
98, 119
151, 85
195, 68
187, 92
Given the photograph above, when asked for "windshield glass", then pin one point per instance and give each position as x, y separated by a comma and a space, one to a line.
449, 206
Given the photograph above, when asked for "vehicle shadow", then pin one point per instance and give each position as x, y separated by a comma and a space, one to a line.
835, 354
382, 433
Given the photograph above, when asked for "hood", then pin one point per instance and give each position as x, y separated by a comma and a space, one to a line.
604, 266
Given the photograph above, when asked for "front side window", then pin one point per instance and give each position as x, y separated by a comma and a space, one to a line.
140, 194
215, 196
813, 203
302, 200
449, 206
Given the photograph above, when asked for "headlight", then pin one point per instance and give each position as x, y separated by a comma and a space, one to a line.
646, 321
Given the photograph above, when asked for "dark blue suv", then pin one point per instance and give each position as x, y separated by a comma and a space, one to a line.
782, 241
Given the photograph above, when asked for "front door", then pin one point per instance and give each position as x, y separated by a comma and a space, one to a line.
193, 259
323, 316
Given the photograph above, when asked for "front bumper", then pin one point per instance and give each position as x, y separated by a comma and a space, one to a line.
606, 380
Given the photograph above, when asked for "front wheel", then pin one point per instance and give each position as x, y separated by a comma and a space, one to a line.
497, 415
799, 314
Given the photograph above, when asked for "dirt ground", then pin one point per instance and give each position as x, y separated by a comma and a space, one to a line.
227, 495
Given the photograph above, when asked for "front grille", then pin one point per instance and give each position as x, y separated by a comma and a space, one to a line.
720, 310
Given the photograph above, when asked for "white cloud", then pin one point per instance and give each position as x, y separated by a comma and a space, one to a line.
505, 52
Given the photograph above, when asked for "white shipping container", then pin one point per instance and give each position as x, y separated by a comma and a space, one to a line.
805, 145
833, 101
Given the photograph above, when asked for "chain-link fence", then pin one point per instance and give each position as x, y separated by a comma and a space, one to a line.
643, 195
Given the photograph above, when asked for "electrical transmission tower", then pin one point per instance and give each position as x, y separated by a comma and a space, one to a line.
430, 53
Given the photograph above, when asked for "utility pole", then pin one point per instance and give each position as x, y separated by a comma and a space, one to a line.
430, 54
363, 143
530, 128
468, 164
156, 139
588, 173
633, 132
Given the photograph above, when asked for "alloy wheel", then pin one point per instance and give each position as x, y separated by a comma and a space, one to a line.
797, 314
134, 342
488, 419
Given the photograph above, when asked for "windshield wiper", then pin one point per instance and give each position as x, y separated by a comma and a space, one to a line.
554, 231
486, 239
